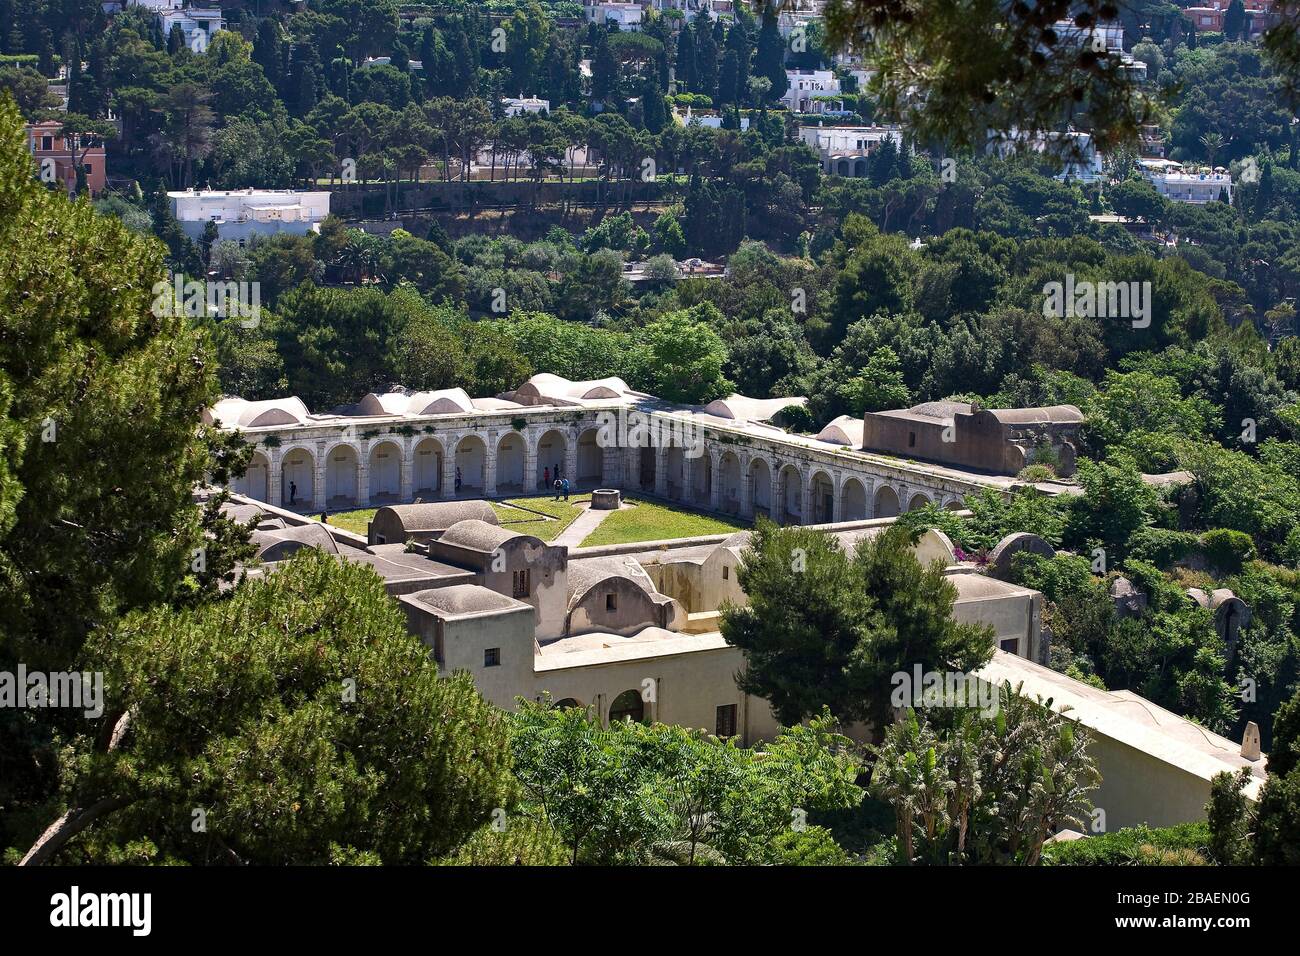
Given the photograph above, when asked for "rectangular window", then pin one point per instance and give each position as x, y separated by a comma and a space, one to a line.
726, 722
522, 581
491, 657
47, 143
1011, 645
911, 439
89, 169
611, 602
726, 572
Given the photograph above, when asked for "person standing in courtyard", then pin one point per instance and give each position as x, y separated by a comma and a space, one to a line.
293, 492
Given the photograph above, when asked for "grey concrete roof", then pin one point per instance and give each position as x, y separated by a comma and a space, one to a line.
458, 599
586, 573
438, 515
312, 535
479, 535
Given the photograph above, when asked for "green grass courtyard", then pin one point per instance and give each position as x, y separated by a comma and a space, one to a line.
545, 518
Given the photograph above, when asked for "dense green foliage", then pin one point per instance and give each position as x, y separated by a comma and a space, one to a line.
974, 788
828, 629
632, 793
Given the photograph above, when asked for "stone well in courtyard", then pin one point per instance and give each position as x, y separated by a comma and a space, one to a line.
606, 499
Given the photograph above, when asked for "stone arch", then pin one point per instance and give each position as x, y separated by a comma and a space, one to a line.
647, 467
886, 502
426, 470
298, 478
552, 452
591, 459
760, 477
842, 168
788, 507
859, 169
566, 702
729, 481
919, 500
853, 500
675, 463
954, 504
471, 463
701, 469
342, 476
821, 497
256, 481
385, 473
628, 706
511, 455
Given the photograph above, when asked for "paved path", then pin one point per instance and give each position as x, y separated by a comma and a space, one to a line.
583, 525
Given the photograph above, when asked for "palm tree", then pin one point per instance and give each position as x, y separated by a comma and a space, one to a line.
1211, 143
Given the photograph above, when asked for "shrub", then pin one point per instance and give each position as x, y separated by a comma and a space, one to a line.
1182, 845
1227, 550
1162, 547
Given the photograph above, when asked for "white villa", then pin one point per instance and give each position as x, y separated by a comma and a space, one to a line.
197, 25
844, 149
805, 88
1179, 184
243, 213
626, 15
517, 105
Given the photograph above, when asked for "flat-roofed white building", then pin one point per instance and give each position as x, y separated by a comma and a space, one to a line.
243, 213
626, 15
1178, 184
197, 26
517, 105
807, 87
844, 149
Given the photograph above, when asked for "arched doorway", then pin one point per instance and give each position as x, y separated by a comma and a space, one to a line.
627, 706
646, 471
471, 457
701, 494
954, 504
341, 477
256, 481
760, 477
552, 449
675, 463
886, 502
566, 703
729, 478
385, 473
511, 454
298, 479
789, 504
427, 471
918, 501
853, 501
821, 499
591, 459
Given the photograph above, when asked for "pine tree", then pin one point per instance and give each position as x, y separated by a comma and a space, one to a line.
684, 64
769, 58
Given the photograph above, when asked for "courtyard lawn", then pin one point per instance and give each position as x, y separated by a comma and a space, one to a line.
354, 521
511, 514
650, 521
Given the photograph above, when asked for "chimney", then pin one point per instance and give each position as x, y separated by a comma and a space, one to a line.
1250, 741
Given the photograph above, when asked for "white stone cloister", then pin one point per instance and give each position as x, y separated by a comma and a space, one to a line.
401, 448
